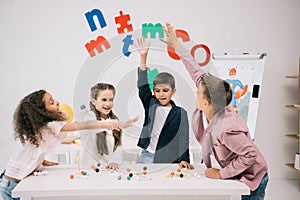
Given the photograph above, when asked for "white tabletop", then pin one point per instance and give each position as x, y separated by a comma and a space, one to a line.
58, 184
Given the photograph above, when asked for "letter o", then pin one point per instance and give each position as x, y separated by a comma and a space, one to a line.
206, 49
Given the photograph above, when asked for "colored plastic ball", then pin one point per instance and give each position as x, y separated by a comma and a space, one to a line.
82, 107
84, 173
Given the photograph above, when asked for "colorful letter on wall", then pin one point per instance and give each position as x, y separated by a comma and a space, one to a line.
97, 45
90, 18
152, 29
127, 41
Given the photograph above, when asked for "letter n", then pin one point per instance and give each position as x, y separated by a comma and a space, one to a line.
90, 18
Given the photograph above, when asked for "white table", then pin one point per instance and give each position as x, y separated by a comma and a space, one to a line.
105, 184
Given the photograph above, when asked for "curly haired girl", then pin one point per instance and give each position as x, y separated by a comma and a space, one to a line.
40, 126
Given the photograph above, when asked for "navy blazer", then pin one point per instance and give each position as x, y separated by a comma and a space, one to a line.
173, 141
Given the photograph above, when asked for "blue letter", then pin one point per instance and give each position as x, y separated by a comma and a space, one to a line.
127, 41
89, 16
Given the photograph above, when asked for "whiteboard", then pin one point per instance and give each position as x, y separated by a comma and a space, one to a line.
244, 73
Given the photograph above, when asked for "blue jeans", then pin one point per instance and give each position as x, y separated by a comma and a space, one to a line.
6, 186
259, 193
146, 157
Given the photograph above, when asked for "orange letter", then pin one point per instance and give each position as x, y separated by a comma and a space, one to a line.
207, 51
185, 38
97, 45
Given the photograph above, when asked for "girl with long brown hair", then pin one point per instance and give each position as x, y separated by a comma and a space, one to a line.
103, 145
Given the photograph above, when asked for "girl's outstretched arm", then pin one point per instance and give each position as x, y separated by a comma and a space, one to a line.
90, 124
94, 124
129, 122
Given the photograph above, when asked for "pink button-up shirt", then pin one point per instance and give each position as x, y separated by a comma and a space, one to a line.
227, 136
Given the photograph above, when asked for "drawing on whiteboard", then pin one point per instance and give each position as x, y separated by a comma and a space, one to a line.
237, 87
244, 73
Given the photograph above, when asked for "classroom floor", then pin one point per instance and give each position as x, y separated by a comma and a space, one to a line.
283, 189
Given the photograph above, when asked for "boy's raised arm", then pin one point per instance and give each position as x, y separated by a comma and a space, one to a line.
143, 47
189, 61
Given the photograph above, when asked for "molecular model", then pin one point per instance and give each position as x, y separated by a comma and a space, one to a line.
96, 168
40, 173
80, 173
129, 175
181, 173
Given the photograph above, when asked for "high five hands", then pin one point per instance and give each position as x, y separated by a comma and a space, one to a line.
118, 125
170, 39
170, 36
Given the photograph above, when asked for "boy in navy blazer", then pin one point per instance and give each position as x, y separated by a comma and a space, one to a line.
165, 133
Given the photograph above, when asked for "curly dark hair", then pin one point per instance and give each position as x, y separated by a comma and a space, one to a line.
101, 137
31, 116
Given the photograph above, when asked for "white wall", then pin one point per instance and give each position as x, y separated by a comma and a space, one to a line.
42, 46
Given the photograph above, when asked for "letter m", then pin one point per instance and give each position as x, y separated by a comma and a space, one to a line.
92, 45
150, 28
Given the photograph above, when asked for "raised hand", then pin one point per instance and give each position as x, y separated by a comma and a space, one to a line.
142, 46
170, 36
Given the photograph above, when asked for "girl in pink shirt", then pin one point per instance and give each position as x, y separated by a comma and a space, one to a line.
226, 136
40, 126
